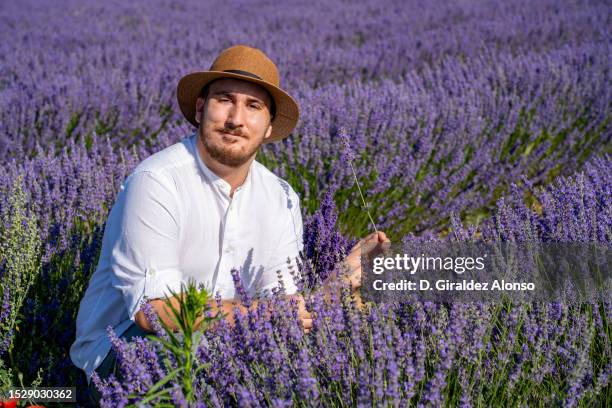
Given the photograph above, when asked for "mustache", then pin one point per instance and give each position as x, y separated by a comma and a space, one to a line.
234, 132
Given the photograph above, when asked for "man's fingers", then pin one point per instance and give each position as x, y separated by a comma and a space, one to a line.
382, 237
366, 242
372, 238
304, 314
376, 238
369, 246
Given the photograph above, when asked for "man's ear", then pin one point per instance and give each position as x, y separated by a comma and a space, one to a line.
268, 131
199, 109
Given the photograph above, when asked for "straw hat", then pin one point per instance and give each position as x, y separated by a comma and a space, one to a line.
249, 64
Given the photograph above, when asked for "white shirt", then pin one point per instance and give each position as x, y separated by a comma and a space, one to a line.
174, 220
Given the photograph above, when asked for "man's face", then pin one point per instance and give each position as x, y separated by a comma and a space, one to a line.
234, 120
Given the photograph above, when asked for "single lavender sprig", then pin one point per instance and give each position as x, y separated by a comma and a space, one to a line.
349, 156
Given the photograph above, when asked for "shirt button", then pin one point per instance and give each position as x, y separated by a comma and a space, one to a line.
228, 249
152, 272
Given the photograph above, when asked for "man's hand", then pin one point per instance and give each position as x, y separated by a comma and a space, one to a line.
227, 310
371, 245
303, 315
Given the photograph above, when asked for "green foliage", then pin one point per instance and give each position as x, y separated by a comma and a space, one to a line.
73, 123
19, 257
193, 309
6, 380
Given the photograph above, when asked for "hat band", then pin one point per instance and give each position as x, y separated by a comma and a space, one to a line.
241, 72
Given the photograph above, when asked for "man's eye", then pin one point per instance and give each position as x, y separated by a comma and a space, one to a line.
254, 105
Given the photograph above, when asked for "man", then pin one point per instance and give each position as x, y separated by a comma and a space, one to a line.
198, 209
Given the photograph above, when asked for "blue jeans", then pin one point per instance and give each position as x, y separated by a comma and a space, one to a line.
109, 364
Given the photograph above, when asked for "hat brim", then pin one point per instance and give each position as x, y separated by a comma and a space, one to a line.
287, 110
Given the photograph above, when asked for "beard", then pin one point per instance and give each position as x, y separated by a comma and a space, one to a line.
227, 154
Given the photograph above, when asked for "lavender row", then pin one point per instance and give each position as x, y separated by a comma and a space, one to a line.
400, 355
69, 68
574, 209
452, 138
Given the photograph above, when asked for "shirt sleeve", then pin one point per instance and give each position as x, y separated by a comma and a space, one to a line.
290, 245
145, 255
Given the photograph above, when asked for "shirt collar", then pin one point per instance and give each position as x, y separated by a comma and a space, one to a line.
211, 176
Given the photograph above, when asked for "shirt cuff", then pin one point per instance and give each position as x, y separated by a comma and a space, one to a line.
155, 285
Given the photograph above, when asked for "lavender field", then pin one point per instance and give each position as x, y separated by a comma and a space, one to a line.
468, 120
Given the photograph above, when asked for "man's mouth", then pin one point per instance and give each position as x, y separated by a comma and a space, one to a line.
232, 136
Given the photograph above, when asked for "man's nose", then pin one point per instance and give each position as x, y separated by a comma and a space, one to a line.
235, 116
